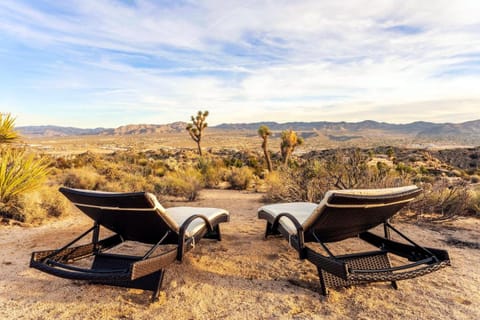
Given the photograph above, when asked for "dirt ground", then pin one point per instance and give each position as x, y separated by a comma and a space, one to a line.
241, 277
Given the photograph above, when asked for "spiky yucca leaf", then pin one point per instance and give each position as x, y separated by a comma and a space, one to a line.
7, 128
20, 172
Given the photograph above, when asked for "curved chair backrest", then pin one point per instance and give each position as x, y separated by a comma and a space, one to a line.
346, 213
135, 216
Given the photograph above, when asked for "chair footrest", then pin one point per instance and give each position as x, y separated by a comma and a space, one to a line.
376, 267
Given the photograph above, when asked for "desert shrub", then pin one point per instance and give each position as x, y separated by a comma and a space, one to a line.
445, 199
84, 178
308, 181
62, 163
128, 182
348, 169
37, 206
111, 172
171, 164
84, 159
474, 201
277, 189
240, 178
160, 172
185, 183
212, 170
142, 162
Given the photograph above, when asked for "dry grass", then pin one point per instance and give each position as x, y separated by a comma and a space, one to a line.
242, 277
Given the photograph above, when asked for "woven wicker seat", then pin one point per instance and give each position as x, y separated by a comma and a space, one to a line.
135, 221
344, 214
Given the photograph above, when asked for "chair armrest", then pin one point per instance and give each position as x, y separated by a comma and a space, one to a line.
300, 231
183, 230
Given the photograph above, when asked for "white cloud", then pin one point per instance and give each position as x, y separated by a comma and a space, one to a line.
253, 60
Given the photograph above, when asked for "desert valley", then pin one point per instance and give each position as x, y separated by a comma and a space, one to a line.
245, 276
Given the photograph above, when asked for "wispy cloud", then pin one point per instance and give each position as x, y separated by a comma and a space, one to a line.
394, 61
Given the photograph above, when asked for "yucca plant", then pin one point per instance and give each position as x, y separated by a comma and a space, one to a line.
7, 128
20, 172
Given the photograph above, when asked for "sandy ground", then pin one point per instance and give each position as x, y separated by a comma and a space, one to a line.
241, 277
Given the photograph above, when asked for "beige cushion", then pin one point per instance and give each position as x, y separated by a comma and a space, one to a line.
300, 210
180, 214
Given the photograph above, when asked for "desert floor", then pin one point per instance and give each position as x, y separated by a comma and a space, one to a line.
241, 277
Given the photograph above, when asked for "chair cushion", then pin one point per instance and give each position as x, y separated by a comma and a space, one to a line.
300, 210
181, 214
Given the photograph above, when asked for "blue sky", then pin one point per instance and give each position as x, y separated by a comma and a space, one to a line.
94, 63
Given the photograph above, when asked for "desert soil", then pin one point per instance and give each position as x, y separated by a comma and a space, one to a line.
241, 277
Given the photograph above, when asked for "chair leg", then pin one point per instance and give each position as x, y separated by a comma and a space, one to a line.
388, 236
269, 231
156, 292
394, 285
214, 234
323, 285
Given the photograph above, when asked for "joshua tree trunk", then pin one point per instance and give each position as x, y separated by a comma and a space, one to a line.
267, 154
199, 148
264, 132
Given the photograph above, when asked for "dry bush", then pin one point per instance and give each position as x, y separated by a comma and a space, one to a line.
309, 181
276, 187
349, 169
240, 178
475, 178
84, 178
127, 182
212, 170
442, 200
185, 183
474, 201
43, 204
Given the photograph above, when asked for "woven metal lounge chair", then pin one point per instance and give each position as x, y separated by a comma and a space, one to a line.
133, 218
352, 213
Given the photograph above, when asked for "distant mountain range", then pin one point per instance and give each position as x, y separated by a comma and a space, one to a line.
338, 130
417, 128
131, 129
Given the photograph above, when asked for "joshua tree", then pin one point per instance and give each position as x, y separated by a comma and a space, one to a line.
290, 140
264, 132
195, 129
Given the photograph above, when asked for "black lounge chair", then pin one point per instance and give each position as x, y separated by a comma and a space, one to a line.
351, 213
135, 217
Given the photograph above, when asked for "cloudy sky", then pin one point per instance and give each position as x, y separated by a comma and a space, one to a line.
92, 63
